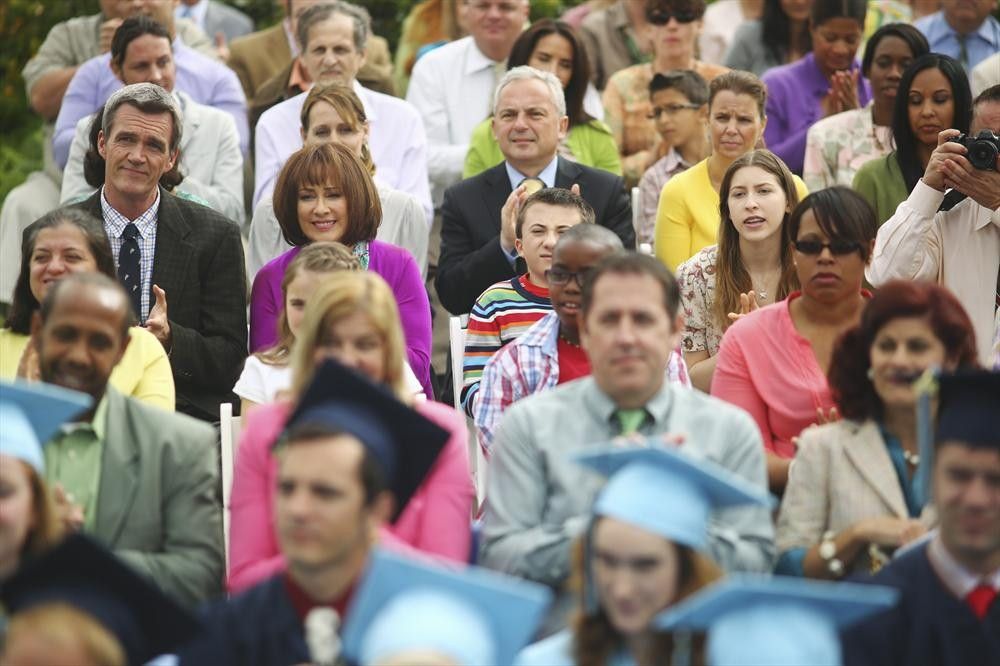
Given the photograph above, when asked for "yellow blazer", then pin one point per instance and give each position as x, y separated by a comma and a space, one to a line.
842, 474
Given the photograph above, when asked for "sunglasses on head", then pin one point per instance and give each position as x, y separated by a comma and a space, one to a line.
837, 246
662, 16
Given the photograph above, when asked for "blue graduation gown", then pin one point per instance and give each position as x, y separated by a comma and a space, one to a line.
259, 627
929, 626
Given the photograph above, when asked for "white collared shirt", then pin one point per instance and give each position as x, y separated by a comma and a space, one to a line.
114, 226
452, 88
959, 249
959, 580
197, 12
396, 139
546, 175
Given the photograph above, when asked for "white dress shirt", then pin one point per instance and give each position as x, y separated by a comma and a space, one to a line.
452, 88
396, 138
959, 249
956, 577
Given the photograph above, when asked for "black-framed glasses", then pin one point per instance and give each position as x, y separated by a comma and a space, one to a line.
563, 276
838, 247
662, 16
669, 109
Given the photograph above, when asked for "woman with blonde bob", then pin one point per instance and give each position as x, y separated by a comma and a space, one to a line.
325, 193
351, 317
750, 267
333, 113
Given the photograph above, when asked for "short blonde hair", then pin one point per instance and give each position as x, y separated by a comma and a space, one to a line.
63, 627
340, 296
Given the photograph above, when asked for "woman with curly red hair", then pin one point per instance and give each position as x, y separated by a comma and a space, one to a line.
850, 497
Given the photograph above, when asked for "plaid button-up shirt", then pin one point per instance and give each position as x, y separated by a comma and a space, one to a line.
114, 226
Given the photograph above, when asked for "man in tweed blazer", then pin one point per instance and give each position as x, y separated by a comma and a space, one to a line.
190, 289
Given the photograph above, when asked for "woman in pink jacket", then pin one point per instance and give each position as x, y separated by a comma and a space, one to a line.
352, 318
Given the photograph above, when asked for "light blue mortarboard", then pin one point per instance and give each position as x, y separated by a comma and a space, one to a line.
31, 413
472, 615
778, 621
666, 492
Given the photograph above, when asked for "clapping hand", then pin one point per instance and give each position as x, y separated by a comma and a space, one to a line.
157, 322
70, 513
748, 303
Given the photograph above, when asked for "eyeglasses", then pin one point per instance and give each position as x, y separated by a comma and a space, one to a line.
662, 16
669, 109
837, 247
561, 276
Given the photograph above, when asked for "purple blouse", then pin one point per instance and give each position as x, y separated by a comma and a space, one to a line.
394, 264
794, 93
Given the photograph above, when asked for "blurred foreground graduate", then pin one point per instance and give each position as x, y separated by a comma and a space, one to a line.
29, 415
409, 612
757, 621
948, 614
80, 604
350, 456
643, 552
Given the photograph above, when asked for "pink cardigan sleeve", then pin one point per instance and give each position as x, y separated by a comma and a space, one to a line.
254, 554
732, 381
437, 519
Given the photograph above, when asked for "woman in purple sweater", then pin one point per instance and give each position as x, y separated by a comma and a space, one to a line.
324, 193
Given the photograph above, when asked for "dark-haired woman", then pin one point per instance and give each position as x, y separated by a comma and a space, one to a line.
852, 484
773, 362
779, 37
673, 27
934, 95
61, 243
552, 46
821, 84
836, 147
325, 193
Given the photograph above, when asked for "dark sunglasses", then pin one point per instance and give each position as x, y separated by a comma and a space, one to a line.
838, 247
561, 276
662, 16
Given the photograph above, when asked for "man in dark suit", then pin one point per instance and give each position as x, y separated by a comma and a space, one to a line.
140, 479
170, 250
477, 216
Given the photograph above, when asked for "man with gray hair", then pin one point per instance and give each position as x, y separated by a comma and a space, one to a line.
169, 249
478, 214
334, 37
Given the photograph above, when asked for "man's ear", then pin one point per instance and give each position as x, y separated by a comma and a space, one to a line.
101, 144
382, 507
563, 126
173, 160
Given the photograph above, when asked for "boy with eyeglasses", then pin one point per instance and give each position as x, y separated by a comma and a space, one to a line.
508, 308
680, 112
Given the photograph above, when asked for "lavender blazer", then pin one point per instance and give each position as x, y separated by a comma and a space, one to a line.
394, 264
794, 93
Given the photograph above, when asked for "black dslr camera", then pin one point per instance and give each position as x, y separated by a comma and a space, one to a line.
983, 149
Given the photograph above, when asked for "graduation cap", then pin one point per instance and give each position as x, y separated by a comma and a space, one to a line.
666, 492
83, 574
31, 413
473, 616
405, 444
969, 407
777, 621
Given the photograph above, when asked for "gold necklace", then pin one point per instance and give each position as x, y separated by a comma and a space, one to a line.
568, 341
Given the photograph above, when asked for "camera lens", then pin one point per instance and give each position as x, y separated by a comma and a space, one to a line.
983, 155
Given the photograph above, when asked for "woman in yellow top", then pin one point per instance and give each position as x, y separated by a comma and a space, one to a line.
687, 218
69, 241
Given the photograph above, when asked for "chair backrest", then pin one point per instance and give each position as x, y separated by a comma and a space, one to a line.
229, 429
635, 210
456, 338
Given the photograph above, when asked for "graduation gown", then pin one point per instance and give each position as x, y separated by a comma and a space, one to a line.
256, 628
929, 626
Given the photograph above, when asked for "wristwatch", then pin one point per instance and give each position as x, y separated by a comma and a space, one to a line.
828, 552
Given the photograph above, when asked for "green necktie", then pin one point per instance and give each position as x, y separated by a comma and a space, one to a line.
963, 51
630, 420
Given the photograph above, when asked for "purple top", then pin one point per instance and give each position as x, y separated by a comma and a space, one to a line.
394, 264
205, 80
794, 93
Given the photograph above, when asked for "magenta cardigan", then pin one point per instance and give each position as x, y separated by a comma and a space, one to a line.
436, 520
766, 367
394, 264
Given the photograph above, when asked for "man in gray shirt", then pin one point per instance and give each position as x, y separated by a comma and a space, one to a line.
538, 501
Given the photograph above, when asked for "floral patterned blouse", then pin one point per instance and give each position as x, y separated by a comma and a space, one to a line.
696, 278
837, 146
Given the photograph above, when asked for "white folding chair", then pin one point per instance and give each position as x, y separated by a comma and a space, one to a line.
635, 211
229, 429
456, 338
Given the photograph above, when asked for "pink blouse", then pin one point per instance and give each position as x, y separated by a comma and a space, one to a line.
766, 367
436, 520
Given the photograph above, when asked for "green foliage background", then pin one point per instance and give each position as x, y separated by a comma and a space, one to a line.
25, 23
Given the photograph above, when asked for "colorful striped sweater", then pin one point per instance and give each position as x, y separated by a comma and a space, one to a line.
501, 313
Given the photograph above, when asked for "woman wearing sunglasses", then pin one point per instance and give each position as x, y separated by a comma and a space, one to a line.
674, 28
773, 362
853, 497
